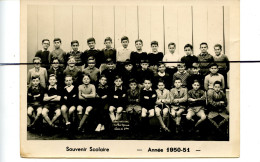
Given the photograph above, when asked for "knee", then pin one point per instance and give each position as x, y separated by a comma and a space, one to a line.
79, 109
39, 112
63, 108
165, 113
58, 112
88, 109
144, 113
203, 117
119, 110
188, 117
111, 109
45, 112
72, 109
157, 111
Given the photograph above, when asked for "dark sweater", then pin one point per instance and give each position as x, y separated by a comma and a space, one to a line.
44, 55
189, 60
108, 53
144, 74
32, 92
154, 59
148, 103
71, 96
137, 57
94, 53
121, 100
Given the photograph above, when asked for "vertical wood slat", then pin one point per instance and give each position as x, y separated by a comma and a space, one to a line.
82, 25
145, 27
184, 28
200, 27
32, 29
215, 27
157, 26
131, 26
45, 25
120, 20
63, 25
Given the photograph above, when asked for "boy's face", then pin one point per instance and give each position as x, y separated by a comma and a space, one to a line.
196, 86
177, 83
37, 63
133, 86
181, 69
204, 48
147, 84
213, 69
68, 81
154, 47
125, 43
188, 51
216, 87
52, 81
118, 82
217, 51
195, 70
110, 66
71, 62
55, 63
75, 47
144, 65
103, 81
138, 45
91, 44
161, 86
91, 64
45, 45
57, 44
171, 49
35, 82
129, 67
108, 44
86, 80
162, 68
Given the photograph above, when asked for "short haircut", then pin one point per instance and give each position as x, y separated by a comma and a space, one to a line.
36, 77
128, 62
147, 79
161, 81
161, 63
91, 58
108, 39
91, 40
154, 43
68, 76
218, 45
53, 75
55, 58
84, 75
181, 65
37, 58
74, 41
171, 43
109, 60
138, 40
144, 61
124, 38
57, 39
204, 43
71, 58
196, 81
102, 76
217, 82
177, 79
45, 40
213, 64
118, 77
188, 46
132, 80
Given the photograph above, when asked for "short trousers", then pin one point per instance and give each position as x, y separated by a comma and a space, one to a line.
136, 108
196, 109
35, 105
52, 106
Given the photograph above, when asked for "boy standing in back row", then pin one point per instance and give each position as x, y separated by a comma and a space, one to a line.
44, 53
204, 59
58, 53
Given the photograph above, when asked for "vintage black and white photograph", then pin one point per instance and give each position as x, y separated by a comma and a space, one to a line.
129, 72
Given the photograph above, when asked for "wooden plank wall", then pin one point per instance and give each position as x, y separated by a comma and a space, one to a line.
179, 24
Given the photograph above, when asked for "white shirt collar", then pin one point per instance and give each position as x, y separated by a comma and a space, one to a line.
55, 86
150, 89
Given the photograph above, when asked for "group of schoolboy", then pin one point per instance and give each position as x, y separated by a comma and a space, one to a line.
112, 81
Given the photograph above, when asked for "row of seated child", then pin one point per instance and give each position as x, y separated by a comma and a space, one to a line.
108, 93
